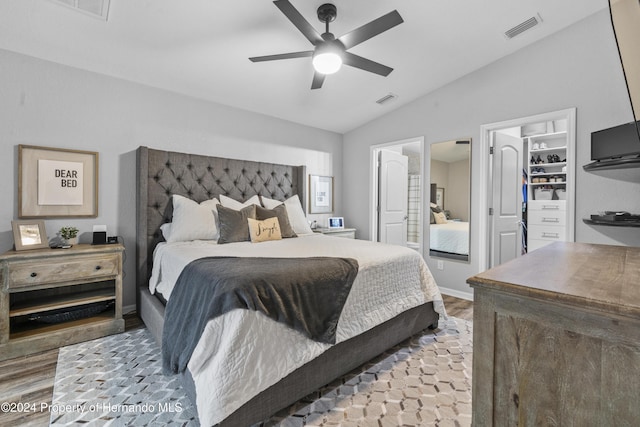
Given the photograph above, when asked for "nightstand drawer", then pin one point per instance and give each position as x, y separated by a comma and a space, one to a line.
52, 270
349, 233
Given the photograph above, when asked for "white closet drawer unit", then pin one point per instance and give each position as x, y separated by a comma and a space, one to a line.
547, 232
545, 218
538, 236
548, 205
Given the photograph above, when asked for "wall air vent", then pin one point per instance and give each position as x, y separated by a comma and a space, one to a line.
524, 26
95, 8
387, 98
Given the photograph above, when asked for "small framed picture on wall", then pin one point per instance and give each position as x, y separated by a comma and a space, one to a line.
320, 194
440, 197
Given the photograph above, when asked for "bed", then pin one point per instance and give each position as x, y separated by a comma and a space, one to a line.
162, 174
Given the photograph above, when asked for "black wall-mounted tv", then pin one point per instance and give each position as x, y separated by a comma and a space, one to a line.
616, 142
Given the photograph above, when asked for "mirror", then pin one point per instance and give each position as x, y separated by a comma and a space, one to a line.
450, 199
625, 16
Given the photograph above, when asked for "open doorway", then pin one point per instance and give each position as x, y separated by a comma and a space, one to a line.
396, 214
527, 197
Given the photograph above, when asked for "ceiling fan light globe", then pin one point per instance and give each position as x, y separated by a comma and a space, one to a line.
327, 62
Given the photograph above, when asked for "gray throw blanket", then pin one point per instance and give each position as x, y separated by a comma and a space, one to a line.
306, 294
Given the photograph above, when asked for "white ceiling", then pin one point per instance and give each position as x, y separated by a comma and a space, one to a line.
201, 48
450, 151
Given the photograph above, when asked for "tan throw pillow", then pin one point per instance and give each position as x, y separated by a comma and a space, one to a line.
440, 217
261, 231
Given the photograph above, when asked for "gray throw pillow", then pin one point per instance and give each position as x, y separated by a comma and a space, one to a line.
234, 226
279, 212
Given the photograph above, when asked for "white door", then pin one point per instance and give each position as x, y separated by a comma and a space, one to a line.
506, 238
394, 188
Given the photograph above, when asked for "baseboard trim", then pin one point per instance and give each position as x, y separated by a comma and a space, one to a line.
458, 294
126, 309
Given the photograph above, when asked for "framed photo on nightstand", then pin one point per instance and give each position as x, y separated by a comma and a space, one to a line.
29, 234
336, 222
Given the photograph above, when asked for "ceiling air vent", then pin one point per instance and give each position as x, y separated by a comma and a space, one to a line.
387, 98
95, 8
522, 27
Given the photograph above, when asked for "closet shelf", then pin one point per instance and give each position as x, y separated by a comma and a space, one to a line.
546, 150
547, 165
547, 183
547, 174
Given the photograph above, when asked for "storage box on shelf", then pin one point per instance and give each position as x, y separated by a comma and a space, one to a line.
55, 297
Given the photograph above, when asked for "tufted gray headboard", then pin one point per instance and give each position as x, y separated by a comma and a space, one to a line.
160, 174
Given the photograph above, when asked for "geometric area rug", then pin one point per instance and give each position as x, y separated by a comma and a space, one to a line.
423, 381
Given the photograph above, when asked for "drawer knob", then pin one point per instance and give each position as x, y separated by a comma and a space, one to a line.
34, 274
98, 267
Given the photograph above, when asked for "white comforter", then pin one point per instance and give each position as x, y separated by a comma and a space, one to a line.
452, 237
243, 352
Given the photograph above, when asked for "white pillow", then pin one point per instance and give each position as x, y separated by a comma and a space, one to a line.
166, 230
296, 216
228, 202
193, 221
270, 203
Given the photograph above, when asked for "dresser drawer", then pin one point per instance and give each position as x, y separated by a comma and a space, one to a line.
56, 270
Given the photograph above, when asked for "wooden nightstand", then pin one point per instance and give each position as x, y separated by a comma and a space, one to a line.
55, 297
349, 233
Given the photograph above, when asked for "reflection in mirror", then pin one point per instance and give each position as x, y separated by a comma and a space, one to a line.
450, 199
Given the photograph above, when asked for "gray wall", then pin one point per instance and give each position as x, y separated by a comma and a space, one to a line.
577, 67
457, 196
46, 104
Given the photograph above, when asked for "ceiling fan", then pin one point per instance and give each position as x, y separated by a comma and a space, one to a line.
330, 53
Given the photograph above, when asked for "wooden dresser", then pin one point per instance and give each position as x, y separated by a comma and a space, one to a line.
556, 338
55, 297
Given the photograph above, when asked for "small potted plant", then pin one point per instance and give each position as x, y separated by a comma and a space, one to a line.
69, 236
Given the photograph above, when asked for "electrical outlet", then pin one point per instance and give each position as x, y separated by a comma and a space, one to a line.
440, 265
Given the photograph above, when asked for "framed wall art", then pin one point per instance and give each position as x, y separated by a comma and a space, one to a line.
320, 194
440, 197
29, 234
57, 183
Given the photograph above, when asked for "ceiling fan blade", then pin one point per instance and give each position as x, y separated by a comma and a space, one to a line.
366, 64
291, 55
298, 20
318, 79
371, 29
